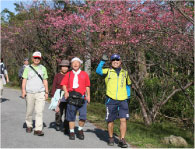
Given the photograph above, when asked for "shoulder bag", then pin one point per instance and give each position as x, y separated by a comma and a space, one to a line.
36, 73
75, 98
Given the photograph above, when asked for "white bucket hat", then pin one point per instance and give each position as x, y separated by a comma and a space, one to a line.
76, 59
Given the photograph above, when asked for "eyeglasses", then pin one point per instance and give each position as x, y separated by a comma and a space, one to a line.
37, 58
115, 59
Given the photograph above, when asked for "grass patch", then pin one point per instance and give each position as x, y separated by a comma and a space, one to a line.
137, 133
13, 86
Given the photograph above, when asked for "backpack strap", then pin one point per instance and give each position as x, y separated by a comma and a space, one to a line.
36, 73
109, 73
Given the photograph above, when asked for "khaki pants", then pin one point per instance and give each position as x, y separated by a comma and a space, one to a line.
35, 102
1, 87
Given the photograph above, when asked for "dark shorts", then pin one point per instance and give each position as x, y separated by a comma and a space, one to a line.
72, 111
116, 109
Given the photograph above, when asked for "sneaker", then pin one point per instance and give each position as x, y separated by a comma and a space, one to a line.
72, 136
38, 133
29, 129
80, 135
57, 127
122, 143
111, 141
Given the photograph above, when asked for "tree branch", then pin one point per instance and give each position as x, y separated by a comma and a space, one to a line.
181, 87
181, 12
175, 91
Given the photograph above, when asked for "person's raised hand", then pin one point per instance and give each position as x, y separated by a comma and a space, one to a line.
104, 57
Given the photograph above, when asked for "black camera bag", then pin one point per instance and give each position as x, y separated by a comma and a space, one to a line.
75, 98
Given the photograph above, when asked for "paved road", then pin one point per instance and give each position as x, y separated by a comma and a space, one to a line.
13, 134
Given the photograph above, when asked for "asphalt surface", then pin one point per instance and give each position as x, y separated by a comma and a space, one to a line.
13, 128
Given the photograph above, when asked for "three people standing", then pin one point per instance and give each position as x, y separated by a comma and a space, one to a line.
35, 88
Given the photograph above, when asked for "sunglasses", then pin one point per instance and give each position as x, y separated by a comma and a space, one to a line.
116, 60
37, 58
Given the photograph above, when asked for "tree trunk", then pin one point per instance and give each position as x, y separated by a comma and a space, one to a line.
88, 64
156, 108
88, 55
142, 64
144, 108
146, 116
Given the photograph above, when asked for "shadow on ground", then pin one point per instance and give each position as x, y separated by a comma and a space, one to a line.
25, 126
102, 135
52, 125
3, 100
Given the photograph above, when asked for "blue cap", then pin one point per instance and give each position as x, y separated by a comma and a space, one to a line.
25, 59
115, 56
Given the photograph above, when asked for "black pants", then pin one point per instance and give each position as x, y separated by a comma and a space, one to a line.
58, 116
20, 82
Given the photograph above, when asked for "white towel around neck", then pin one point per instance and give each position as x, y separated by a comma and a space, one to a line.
75, 80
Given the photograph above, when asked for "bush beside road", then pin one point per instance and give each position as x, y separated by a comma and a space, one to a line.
138, 134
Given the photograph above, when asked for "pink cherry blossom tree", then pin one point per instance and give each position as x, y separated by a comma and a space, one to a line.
154, 38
